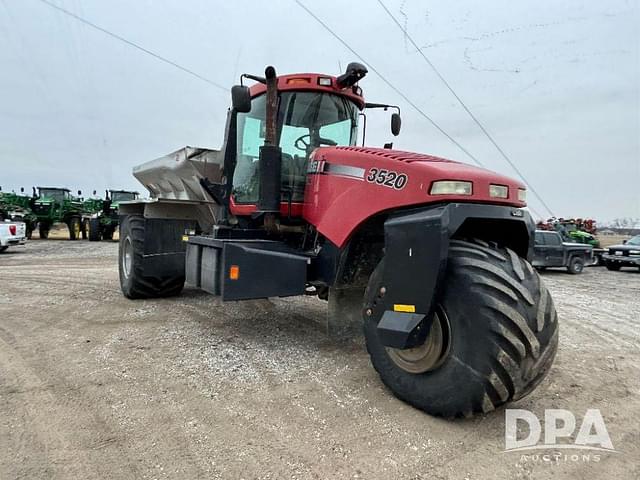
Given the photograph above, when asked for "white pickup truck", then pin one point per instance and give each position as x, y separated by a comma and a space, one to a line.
12, 233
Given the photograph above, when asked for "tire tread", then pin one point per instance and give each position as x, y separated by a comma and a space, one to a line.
522, 335
142, 286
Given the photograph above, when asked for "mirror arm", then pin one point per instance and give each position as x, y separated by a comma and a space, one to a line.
382, 105
364, 126
255, 78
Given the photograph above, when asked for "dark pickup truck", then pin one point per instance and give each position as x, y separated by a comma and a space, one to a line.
625, 255
550, 251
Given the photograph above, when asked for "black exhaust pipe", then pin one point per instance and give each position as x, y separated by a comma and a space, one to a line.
270, 153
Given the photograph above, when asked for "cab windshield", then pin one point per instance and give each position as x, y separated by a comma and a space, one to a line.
56, 195
306, 121
122, 196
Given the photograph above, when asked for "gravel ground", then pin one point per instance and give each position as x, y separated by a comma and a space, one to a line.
95, 386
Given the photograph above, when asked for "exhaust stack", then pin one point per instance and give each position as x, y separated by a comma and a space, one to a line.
270, 153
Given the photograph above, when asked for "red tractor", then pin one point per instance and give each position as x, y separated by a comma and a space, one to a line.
430, 255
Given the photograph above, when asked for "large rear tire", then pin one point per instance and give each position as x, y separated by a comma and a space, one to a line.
133, 282
493, 340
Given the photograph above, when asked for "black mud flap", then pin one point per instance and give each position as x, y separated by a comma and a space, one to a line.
245, 269
416, 251
164, 250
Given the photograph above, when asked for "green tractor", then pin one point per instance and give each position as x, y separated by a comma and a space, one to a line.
104, 219
14, 206
53, 205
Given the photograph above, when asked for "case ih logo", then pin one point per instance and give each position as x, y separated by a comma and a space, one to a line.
322, 167
559, 428
316, 166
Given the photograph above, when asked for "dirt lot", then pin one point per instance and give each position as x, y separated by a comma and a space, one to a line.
94, 386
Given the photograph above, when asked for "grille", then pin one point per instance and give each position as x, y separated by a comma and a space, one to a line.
395, 154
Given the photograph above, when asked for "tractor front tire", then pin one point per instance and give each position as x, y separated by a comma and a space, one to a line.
495, 335
43, 231
85, 229
133, 281
94, 230
107, 233
74, 228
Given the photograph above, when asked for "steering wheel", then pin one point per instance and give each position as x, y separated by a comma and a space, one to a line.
302, 144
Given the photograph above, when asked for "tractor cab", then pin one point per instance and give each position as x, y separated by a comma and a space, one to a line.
57, 205
117, 196
306, 120
114, 198
309, 111
53, 194
50, 200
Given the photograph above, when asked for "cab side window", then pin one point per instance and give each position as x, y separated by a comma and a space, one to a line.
551, 239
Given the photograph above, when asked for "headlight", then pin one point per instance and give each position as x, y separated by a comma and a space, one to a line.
634, 252
522, 195
498, 191
450, 187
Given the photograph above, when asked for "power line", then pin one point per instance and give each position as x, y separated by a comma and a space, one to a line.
134, 45
536, 213
393, 87
473, 117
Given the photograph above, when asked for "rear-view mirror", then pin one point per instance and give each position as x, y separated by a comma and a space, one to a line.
241, 98
396, 123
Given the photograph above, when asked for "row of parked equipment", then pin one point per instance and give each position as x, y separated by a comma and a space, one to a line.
558, 242
572, 244
93, 218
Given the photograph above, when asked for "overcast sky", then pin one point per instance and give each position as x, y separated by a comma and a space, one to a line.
556, 83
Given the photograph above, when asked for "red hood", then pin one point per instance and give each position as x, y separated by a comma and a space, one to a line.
347, 185
434, 167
